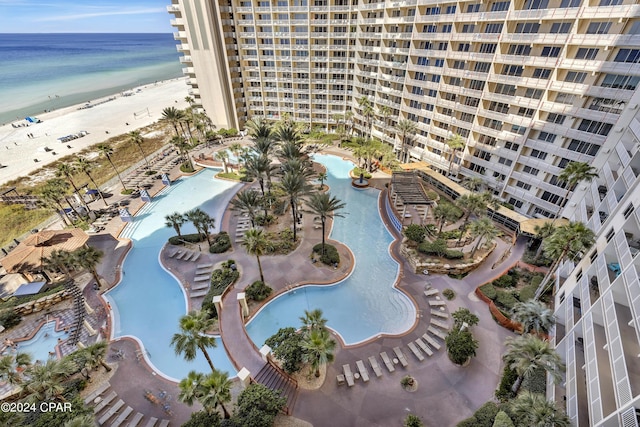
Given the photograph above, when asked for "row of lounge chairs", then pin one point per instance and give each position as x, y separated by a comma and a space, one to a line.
185, 255
244, 224
350, 377
202, 280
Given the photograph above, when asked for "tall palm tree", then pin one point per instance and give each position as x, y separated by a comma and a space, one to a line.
527, 353
325, 206
216, 391
443, 213
85, 166
406, 128
257, 167
473, 184
43, 382
60, 260
190, 387
183, 147
572, 175
259, 128
247, 202
348, 118
491, 202
173, 116
567, 241
236, 149
52, 195
322, 177
385, 111
256, 243
455, 143
313, 320
66, 170
535, 410
87, 420
264, 146
295, 186
12, 367
367, 112
202, 222
107, 151
483, 229
175, 220
318, 348
223, 156
542, 232
88, 258
193, 327
137, 139
534, 316
471, 204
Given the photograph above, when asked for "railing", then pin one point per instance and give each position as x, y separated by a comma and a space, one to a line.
391, 214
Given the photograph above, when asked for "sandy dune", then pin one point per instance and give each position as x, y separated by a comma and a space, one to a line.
18, 150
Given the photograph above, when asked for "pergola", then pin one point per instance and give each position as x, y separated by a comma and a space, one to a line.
407, 187
29, 255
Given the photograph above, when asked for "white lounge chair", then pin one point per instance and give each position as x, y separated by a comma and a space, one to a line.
97, 392
364, 374
135, 420
441, 314
111, 412
374, 365
440, 324
348, 375
436, 332
400, 356
431, 292
424, 347
122, 417
437, 303
387, 361
433, 343
152, 422
104, 402
415, 351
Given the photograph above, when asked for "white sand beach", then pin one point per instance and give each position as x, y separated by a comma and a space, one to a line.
118, 116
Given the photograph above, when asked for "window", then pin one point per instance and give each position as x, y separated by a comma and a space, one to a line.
493, 28
628, 55
610, 235
467, 117
515, 202
511, 146
550, 51
472, 8
464, 47
618, 81
598, 28
533, 93
541, 73
587, 53
527, 27
487, 140
628, 211
446, 28
458, 65
523, 185
560, 28
478, 169
583, 147
592, 126
482, 67
610, 2
526, 112
499, 6
575, 77
471, 101
505, 89
551, 197
536, 4
538, 154
519, 49
505, 161
476, 85
556, 118
499, 107
547, 137
520, 130
432, 11
484, 155
512, 70
439, 63
570, 3
565, 98
487, 48
450, 10
468, 28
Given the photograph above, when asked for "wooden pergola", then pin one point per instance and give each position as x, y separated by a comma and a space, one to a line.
407, 188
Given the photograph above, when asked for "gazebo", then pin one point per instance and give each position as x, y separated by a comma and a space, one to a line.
406, 189
29, 255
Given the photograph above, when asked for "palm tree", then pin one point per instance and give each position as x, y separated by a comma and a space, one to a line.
259, 128
264, 146
295, 186
85, 166
406, 128
190, 387
318, 346
247, 202
385, 111
257, 167
491, 201
570, 241
12, 367
534, 316
236, 149
201, 221
183, 147
313, 320
348, 118
483, 229
88, 258
455, 143
172, 116
191, 337
367, 111
322, 177
472, 204
52, 194
223, 156
256, 243
527, 353
136, 138
324, 205
87, 420
443, 213
542, 232
473, 183
65, 170
107, 151
535, 410
175, 220
216, 391
92, 357
572, 175
44, 381
60, 260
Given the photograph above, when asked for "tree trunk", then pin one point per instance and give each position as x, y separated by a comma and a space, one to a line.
260, 269
105, 366
475, 248
94, 273
97, 188
144, 156
516, 385
225, 412
323, 221
464, 227
206, 356
547, 277
124, 187
293, 213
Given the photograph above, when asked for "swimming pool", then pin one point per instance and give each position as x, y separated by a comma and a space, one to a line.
363, 305
43, 342
148, 301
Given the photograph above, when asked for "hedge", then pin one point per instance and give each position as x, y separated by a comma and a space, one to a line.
415, 233
331, 255
509, 376
527, 293
221, 278
505, 299
258, 291
221, 243
536, 382
506, 281
189, 238
489, 291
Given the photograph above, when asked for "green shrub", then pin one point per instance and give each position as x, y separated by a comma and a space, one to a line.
505, 299
536, 382
258, 406
454, 254
331, 255
9, 319
432, 195
502, 420
149, 173
537, 279
221, 243
486, 414
221, 278
412, 421
509, 376
415, 233
506, 281
450, 235
286, 345
127, 192
438, 247
258, 291
468, 422
230, 175
527, 293
449, 294
186, 168
203, 419
461, 346
357, 171
189, 238
489, 291
262, 220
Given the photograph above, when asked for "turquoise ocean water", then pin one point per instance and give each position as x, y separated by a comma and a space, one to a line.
48, 71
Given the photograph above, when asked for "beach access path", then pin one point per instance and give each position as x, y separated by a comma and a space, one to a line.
118, 116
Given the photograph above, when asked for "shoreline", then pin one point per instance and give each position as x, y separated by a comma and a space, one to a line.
26, 149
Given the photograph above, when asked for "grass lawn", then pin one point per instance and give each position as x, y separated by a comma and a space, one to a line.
15, 220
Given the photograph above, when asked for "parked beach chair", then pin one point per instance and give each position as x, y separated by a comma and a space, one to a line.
111, 412
204, 265
202, 278
374, 365
431, 292
199, 286
441, 314
433, 343
164, 423
97, 392
437, 303
104, 402
180, 254
195, 257
436, 332
415, 351
364, 374
424, 347
122, 417
152, 422
348, 375
136, 420
400, 356
440, 324
198, 294
387, 361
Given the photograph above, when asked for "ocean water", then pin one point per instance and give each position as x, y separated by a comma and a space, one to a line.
49, 71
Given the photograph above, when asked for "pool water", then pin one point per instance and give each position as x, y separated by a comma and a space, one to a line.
363, 305
149, 301
43, 342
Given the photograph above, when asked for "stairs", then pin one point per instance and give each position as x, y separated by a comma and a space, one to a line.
275, 379
79, 312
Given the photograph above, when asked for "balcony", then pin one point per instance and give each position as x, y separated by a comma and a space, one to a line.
178, 22
185, 59
173, 8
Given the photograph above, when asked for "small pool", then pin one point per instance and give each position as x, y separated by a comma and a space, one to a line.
363, 305
43, 342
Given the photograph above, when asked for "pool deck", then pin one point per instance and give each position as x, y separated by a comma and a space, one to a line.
446, 393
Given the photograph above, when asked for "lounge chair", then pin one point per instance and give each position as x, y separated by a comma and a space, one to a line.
441, 314
440, 324
424, 347
180, 254
437, 303
104, 402
195, 257
199, 286
433, 343
340, 379
122, 417
387, 361
136, 420
152, 422
364, 374
348, 375
400, 356
164, 423
415, 351
204, 265
374, 365
431, 292
436, 332
198, 294
97, 392
202, 278
111, 412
